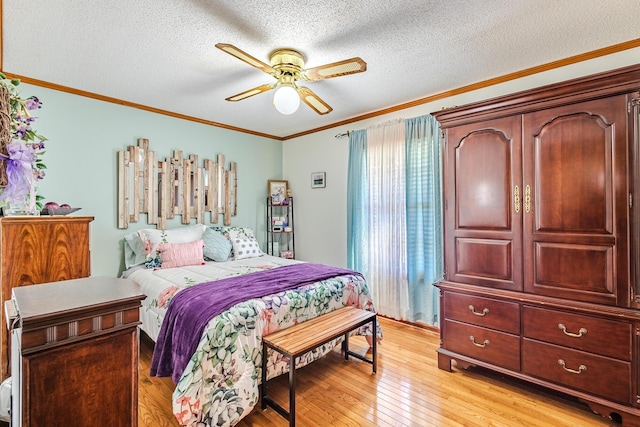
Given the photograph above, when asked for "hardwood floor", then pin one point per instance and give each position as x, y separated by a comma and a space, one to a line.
408, 390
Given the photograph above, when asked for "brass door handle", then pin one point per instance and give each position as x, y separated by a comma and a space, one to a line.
516, 199
580, 333
483, 344
483, 313
580, 369
527, 199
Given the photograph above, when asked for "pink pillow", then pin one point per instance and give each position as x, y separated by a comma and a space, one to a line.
181, 254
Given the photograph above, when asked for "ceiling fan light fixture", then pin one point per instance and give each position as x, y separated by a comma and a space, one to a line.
286, 99
287, 66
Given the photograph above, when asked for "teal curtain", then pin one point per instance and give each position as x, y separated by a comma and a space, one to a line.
422, 249
357, 201
423, 217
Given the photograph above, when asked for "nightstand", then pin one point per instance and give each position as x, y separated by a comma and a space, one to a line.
74, 353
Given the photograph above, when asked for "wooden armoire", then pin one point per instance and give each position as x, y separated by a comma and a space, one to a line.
39, 250
542, 239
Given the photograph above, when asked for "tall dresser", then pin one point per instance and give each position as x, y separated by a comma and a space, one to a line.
542, 239
39, 250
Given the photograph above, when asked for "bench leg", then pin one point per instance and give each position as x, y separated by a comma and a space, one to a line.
266, 400
345, 346
374, 347
263, 384
374, 332
292, 391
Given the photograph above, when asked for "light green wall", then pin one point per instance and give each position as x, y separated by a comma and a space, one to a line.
84, 138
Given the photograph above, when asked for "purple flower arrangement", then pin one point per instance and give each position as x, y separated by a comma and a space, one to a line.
23, 160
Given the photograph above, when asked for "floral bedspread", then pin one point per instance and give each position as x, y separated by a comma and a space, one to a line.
220, 384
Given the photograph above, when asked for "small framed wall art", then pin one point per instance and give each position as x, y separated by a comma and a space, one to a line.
318, 180
277, 191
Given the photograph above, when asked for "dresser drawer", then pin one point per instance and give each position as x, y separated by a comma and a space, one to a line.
594, 374
486, 312
606, 337
482, 344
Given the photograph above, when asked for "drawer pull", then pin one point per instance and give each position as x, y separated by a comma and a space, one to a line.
483, 344
580, 333
484, 312
580, 370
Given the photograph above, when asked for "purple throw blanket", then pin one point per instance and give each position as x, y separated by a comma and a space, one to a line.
192, 308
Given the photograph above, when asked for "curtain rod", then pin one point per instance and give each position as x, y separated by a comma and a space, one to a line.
342, 135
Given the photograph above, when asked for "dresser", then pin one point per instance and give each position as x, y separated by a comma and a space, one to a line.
75, 353
542, 239
40, 250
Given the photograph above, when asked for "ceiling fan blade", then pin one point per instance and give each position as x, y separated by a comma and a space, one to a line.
246, 94
335, 69
244, 56
313, 101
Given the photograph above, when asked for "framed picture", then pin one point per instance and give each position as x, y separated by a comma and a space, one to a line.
318, 180
277, 191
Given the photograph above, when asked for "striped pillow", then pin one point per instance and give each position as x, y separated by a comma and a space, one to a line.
181, 254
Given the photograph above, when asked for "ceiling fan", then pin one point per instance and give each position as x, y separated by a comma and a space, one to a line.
287, 66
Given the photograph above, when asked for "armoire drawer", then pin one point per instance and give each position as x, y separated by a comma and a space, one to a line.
594, 335
594, 374
485, 312
482, 344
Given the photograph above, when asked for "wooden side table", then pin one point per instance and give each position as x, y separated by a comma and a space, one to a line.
75, 352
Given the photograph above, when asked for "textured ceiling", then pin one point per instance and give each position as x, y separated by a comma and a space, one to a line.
162, 54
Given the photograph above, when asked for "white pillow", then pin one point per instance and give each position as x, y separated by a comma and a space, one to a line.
244, 243
243, 232
245, 248
152, 237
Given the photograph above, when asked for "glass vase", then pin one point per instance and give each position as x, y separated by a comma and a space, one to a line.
22, 209
27, 207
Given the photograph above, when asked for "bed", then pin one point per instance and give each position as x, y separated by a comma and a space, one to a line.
219, 384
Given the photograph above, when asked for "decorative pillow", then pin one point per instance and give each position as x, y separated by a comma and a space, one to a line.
181, 254
220, 229
217, 246
242, 232
134, 253
234, 233
245, 248
152, 237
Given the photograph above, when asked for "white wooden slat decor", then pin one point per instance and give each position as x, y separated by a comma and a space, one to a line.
123, 193
177, 185
212, 194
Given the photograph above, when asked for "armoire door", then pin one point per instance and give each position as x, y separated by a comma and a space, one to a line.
634, 184
576, 201
484, 203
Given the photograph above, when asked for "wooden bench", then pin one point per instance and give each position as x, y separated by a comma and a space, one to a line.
303, 337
